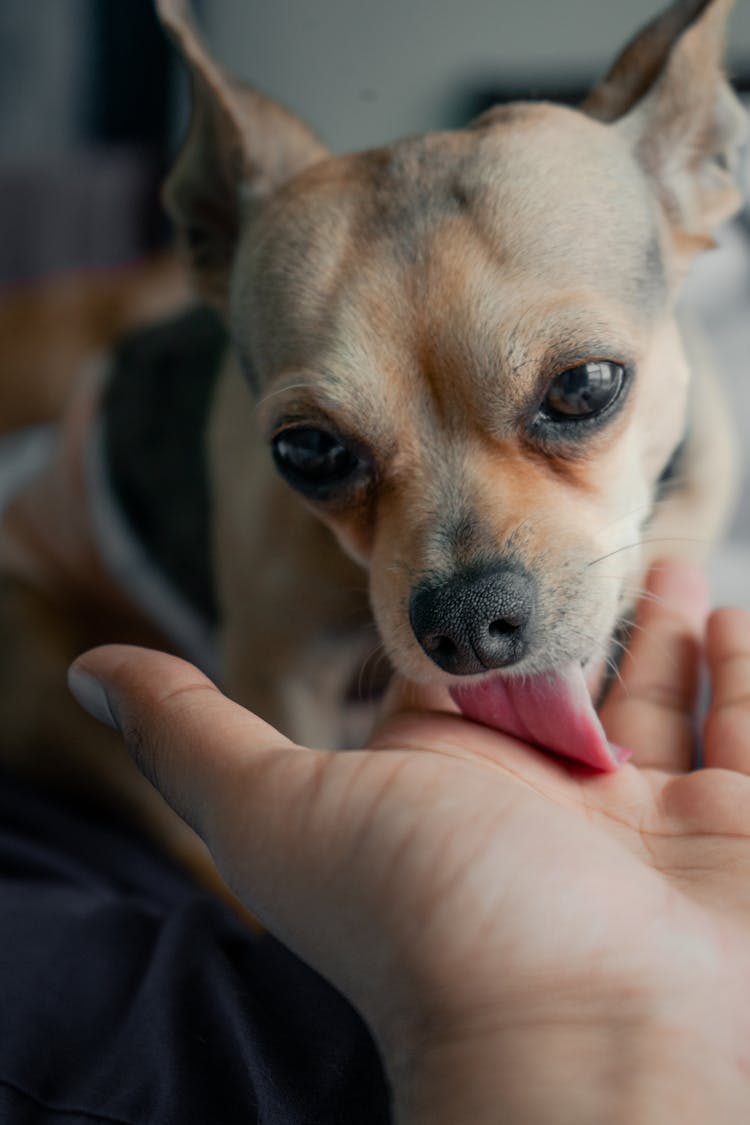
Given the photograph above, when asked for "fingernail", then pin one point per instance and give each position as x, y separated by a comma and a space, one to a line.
88, 691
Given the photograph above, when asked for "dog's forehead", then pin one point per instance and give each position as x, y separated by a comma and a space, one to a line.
532, 197
540, 182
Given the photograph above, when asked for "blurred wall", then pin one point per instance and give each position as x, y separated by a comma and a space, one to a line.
87, 112
84, 116
363, 72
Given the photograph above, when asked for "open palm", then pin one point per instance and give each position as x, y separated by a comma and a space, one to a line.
451, 879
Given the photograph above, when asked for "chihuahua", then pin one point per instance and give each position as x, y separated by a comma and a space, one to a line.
457, 401
456, 366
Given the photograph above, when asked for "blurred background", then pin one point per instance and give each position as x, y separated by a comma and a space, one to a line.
92, 105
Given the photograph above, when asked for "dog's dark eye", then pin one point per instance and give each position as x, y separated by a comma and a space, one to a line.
583, 391
315, 461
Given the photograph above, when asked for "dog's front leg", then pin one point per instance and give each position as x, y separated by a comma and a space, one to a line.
296, 626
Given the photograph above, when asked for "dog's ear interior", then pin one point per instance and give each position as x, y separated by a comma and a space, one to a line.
240, 146
668, 94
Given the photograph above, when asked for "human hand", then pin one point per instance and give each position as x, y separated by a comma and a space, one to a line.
528, 941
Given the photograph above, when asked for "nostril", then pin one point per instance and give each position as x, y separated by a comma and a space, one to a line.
503, 627
475, 620
441, 647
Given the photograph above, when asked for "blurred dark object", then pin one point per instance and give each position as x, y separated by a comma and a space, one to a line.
127, 102
85, 109
565, 90
89, 210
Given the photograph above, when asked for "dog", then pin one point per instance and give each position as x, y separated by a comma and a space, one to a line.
454, 400
456, 367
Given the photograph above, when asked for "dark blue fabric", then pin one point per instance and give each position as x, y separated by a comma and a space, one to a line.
129, 995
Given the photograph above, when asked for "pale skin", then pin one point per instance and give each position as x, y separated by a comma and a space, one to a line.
528, 941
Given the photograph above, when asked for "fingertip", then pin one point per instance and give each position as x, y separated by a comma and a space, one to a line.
726, 731
728, 621
727, 641
113, 682
162, 694
90, 693
681, 587
130, 665
650, 707
93, 676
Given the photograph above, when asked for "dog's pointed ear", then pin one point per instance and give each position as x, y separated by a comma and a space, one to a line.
240, 146
668, 94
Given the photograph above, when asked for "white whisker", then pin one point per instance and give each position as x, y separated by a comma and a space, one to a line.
280, 391
645, 542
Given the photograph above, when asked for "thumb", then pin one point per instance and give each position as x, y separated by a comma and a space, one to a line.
288, 827
187, 738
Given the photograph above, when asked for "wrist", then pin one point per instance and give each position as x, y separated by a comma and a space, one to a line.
573, 1067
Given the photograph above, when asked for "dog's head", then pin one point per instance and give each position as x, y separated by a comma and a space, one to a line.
463, 344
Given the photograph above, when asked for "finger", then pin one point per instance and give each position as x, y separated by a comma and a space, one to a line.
726, 731
185, 736
650, 710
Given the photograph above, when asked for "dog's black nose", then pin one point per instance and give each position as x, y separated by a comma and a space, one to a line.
475, 620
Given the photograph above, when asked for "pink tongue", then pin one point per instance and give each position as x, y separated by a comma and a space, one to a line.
554, 712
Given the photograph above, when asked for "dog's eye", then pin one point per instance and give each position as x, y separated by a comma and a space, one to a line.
315, 461
583, 391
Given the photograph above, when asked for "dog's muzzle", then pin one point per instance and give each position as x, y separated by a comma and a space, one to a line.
475, 620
